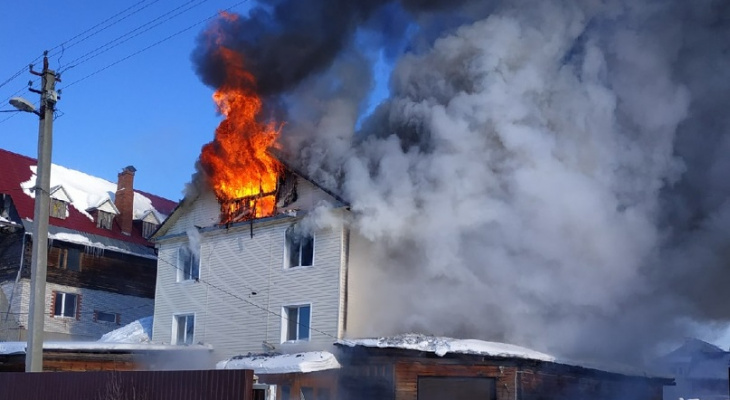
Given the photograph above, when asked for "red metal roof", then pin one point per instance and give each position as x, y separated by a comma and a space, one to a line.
15, 169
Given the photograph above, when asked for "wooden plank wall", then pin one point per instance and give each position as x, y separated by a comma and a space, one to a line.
109, 271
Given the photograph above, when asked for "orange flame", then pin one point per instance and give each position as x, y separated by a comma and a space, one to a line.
236, 161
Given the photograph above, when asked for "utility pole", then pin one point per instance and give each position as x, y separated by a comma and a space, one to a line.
39, 255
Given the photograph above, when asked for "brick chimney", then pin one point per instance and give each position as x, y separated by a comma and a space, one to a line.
124, 199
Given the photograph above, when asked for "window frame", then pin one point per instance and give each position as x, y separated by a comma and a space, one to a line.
116, 316
181, 271
289, 245
62, 296
148, 228
104, 220
176, 329
285, 323
57, 206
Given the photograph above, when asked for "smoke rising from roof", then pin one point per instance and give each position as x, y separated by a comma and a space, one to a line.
545, 173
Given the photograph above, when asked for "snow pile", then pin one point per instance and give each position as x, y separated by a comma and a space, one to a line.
139, 331
311, 361
444, 345
87, 191
12, 347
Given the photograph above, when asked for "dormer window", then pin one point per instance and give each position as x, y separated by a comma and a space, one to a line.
150, 222
104, 220
59, 209
104, 214
148, 228
59, 202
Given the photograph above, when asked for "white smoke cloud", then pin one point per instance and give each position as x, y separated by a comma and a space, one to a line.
519, 181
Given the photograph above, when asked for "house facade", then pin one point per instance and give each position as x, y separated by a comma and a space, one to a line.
101, 265
271, 283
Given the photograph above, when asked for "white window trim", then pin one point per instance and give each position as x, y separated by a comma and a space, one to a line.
180, 272
63, 305
285, 264
285, 320
174, 338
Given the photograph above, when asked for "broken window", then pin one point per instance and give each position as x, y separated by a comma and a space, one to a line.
296, 322
299, 248
188, 264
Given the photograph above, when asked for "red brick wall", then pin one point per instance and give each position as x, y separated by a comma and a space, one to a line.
124, 199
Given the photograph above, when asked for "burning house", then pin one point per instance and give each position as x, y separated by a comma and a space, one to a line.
241, 266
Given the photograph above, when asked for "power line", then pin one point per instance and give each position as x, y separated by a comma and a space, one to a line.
129, 35
152, 45
63, 44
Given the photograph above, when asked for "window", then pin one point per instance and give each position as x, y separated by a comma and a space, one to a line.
104, 219
65, 304
148, 228
59, 209
296, 322
183, 327
188, 264
103, 316
299, 249
69, 259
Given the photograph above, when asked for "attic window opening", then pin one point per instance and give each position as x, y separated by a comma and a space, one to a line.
59, 209
104, 220
148, 228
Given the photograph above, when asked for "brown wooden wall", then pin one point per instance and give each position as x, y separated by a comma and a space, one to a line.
514, 378
138, 385
111, 272
407, 373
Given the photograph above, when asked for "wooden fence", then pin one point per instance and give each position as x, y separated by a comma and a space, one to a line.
128, 385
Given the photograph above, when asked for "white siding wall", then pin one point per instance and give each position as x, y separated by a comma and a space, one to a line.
244, 285
130, 309
203, 212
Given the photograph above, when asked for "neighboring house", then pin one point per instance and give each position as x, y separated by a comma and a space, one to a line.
246, 284
700, 370
101, 265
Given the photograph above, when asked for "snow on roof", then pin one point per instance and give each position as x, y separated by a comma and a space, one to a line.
444, 345
139, 331
86, 191
95, 241
10, 348
311, 361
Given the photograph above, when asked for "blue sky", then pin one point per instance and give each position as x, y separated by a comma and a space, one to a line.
150, 110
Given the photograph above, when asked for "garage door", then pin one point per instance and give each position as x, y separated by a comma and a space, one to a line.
448, 388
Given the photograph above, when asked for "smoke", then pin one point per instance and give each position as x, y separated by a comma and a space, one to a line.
545, 173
